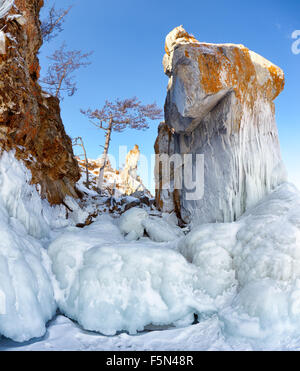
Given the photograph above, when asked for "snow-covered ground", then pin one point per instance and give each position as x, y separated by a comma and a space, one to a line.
139, 282
208, 335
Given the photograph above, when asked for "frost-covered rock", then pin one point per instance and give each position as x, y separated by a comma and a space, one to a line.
161, 231
136, 221
108, 285
259, 255
131, 223
220, 105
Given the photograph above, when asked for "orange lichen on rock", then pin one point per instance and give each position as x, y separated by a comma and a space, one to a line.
217, 72
278, 81
223, 67
210, 73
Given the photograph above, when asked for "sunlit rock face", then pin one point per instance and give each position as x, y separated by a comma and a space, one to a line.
30, 121
129, 177
220, 104
117, 182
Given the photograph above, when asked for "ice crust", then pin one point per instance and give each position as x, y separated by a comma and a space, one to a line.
27, 298
26, 224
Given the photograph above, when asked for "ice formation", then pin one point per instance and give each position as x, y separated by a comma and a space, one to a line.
131, 223
5, 6
136, 221
246, 273
108, 285
26, 223
259, 255
27, 298
160, 230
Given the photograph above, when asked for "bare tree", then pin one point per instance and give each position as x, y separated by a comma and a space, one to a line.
51, 26
60, 76
79, 142
118, 116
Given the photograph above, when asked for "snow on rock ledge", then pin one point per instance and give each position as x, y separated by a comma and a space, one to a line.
220, 104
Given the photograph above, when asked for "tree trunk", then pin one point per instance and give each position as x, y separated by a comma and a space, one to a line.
59, 85
104, 155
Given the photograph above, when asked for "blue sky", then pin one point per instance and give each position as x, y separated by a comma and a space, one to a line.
127, 38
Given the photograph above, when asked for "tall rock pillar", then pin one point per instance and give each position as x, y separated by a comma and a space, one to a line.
220, 104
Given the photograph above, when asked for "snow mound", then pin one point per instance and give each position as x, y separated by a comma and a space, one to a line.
160, 230
259, 255
134, 222
108, 285
131, 223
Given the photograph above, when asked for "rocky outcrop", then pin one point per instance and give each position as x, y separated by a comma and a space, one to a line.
30, 121
219, 104
129, 177
125, 182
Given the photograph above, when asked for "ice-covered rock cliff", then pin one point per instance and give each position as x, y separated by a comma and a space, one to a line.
219, 104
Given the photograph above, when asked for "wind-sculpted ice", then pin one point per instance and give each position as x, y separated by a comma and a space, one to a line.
248, 272
26, 294
136, 221
109, 285
259, 255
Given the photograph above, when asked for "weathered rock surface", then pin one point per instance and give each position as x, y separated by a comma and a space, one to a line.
219, 104
30, 121
119, 183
